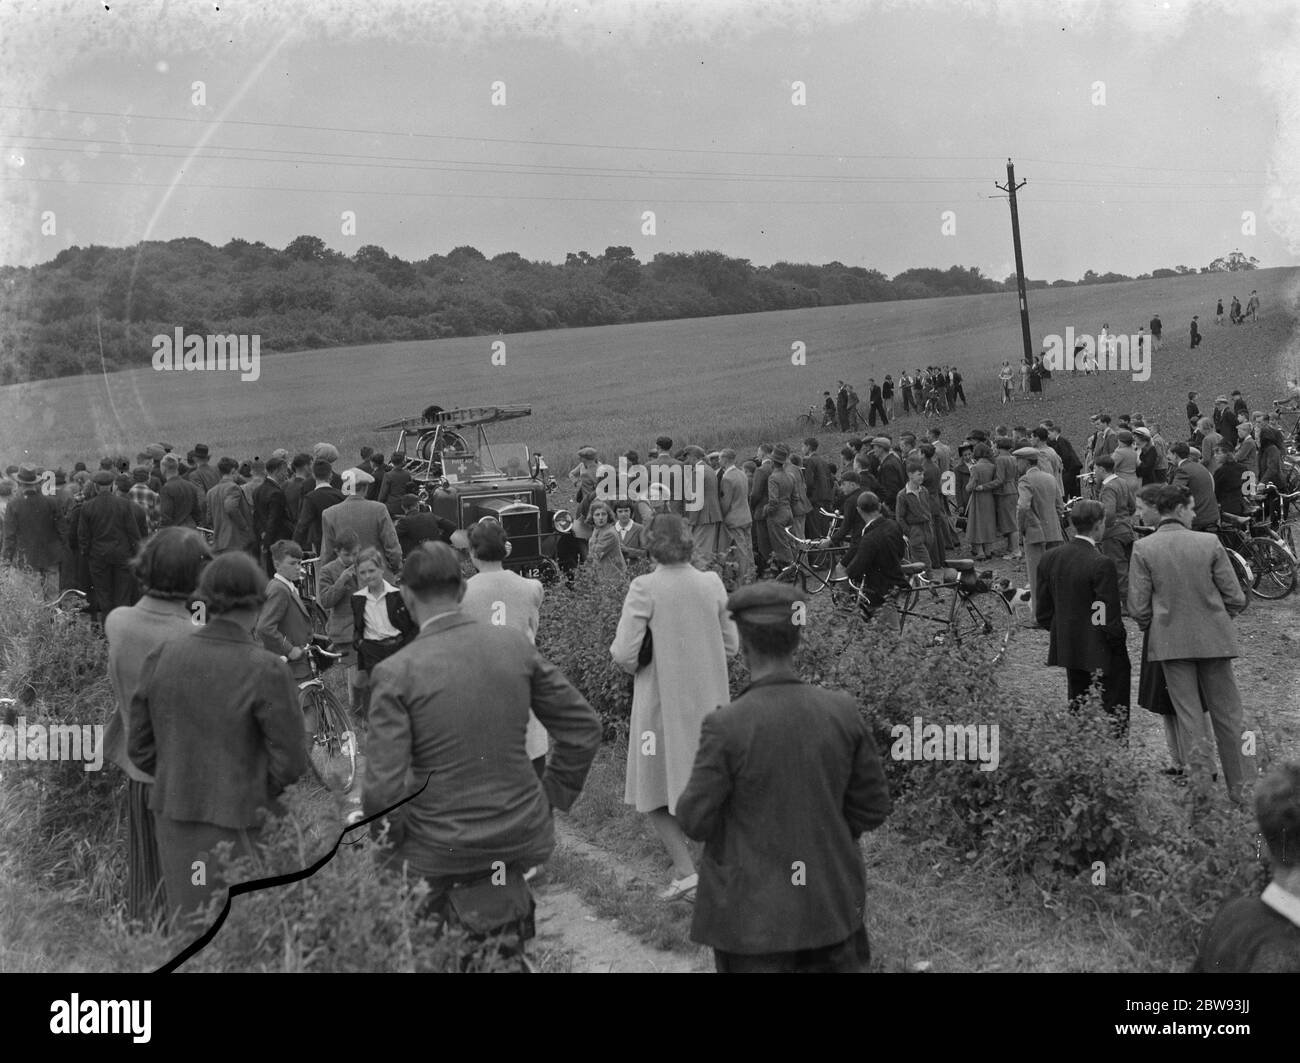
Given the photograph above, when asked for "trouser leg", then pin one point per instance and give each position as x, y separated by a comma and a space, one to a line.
1224, 703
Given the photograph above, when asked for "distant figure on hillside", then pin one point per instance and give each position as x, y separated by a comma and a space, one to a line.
842, 406
1234, 311
1156, 326
1195, 333
1252, 305
829, 417
855, 418
1006, 374
876, 399
1218, 312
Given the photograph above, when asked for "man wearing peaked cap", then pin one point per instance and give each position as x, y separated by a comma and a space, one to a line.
767, 603
760, 814
1028, 453
370, 520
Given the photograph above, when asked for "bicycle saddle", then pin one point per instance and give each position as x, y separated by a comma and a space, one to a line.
912, 568
960, 564
1234, 518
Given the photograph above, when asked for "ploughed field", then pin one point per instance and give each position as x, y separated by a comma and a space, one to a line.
707, 380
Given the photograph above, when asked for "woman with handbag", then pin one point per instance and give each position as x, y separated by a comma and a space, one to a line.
674, 635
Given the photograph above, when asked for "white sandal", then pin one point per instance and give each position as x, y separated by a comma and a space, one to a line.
680, 888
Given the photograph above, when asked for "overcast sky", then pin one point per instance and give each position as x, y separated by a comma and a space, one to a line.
614, 109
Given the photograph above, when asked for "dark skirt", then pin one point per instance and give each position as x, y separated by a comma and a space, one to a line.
187, 852
145, 900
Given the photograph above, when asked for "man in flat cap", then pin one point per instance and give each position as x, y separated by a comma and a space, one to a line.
889, 473
370, 520
31, 534
203, 476
782, 885
1038, 513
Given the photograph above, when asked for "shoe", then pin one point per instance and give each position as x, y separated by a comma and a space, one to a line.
1013, 557
681, 888
1176, 772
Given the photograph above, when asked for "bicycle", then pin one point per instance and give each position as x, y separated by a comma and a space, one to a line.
812, 564
969, 610
333, 753
1272, 564
307, 592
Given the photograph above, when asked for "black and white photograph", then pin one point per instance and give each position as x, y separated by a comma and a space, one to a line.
651, 487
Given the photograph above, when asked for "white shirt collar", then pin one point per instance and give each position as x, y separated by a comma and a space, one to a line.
388, 588
1086, 538
1282, 902
1108, 479
288, 583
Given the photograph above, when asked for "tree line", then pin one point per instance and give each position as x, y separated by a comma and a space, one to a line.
100, 307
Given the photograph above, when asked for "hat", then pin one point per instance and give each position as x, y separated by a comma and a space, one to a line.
587, 452
140, 474
1194, 453
1028, 453
882, 441
695, 452
155, 450
104, 478
325, 452
201, 450
1142, 432
767, 603
360, 477
122, 482
460, 539
280, 453
1221, 398
408, 500
780, 452
27, 475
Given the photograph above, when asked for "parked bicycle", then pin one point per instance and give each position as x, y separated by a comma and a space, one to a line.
1272, 564
307, 592
333, 753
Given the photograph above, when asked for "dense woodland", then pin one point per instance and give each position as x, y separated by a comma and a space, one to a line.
55, 318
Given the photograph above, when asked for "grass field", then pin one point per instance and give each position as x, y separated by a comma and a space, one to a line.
712, 381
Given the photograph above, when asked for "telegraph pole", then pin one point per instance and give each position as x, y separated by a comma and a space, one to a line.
1010, 189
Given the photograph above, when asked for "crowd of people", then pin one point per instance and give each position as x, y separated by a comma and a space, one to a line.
446, 675
931, 391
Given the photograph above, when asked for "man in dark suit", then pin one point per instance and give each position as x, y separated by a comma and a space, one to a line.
1229, 475
820, 485
1077, 600
109, 529
1196, 479
1225, 421
1071, 466
307, 530
203, 476
880, 552
298, 484
782, 885
270, 515
889, 473
450, 710
394, 486
758, 505
875, 397
415, 527
179, 502
31, 534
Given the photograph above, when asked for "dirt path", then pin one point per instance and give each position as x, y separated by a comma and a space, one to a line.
565, 922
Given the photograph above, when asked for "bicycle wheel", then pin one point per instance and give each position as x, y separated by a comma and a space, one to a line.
334, 751
816, 571
1273, 568
1244, 575
983, 619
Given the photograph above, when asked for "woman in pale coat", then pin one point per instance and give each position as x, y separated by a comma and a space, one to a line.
692, 634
